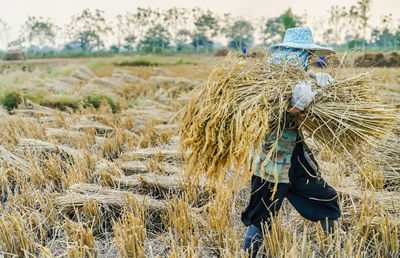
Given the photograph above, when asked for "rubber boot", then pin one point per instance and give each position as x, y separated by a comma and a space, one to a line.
252, 241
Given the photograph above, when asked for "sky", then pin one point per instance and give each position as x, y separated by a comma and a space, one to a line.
15, 12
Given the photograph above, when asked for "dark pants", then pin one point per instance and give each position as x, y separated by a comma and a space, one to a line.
310, 195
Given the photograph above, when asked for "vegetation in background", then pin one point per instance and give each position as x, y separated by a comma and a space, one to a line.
95, 64
97, 100
156, 37
61, 102
51, 73
207, 27
140, 62
194, 31
133, 102
69, 54
40, 31
240, 34
274, 28
5, 33
144, 62
11, 99
35, 96
288, 19
181, 61
88, 30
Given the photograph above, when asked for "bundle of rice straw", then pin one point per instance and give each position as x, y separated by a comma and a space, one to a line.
241, 102
388, 156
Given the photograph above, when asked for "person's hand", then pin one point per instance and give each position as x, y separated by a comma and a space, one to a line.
302, 95
323, 79
294, 110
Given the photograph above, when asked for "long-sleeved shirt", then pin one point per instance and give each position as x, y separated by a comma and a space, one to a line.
279, 156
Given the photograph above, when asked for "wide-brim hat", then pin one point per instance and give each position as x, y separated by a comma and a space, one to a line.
302, 38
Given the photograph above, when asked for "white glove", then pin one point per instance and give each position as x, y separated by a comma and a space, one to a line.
302, 96
323, 79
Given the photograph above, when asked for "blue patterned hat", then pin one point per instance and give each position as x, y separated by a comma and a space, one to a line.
302, 38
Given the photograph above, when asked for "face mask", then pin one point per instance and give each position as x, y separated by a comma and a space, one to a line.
295, 55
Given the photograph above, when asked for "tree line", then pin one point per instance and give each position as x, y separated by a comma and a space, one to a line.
152, 30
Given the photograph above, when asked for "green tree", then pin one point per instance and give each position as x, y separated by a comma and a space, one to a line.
388, 30
375, 36
288, 19
5, 31
206, 28
175, 20
120, 30
145, 19
182, 39
115, 49
274, 28
200, 41
336, 20
157, 36
16, 43
357, 22
397, 34
129, 42
39, 31
134, 30
364, 7
90, 28
240, 34
387, 34
273, 31
89, 40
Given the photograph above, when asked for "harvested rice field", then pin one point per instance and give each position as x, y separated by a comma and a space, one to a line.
91, 166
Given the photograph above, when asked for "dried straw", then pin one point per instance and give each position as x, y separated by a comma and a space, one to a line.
388, 155
241, 102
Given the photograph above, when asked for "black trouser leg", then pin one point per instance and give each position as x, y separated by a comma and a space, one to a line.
328, 225
310, 195
259, 211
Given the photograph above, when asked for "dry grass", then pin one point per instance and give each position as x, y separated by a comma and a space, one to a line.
130, 232
387, 156
80, 240
16, 237
71, 183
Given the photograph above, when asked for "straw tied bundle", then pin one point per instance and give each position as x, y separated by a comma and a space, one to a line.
241, 102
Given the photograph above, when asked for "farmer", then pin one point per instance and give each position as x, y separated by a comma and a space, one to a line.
291, 166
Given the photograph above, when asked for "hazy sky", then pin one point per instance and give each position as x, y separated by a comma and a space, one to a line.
15, 12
